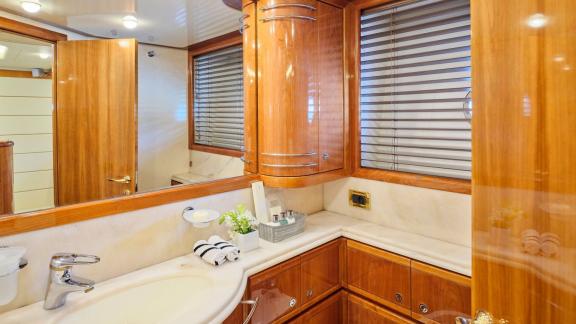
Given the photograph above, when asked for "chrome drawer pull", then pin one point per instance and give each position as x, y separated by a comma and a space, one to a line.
287, 17
307, 165
288, 5
290, 155
254, 304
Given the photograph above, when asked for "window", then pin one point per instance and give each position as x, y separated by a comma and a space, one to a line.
415, 88
218, 99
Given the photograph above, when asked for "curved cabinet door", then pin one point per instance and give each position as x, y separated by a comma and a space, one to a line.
288, 99
250, 87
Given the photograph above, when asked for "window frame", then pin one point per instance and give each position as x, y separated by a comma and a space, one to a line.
353, 15
207, 46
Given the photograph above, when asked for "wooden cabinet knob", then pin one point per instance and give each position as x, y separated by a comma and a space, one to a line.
398, 298
424, 309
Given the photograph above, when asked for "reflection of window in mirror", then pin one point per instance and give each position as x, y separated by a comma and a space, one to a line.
217, 112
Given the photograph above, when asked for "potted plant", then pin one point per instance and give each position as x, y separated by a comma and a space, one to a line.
242, 228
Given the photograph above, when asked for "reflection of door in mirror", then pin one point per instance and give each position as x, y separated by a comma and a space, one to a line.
96, 120
26, 120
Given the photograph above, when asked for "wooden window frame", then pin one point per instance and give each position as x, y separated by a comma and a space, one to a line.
352, 13
211, 45
42, 219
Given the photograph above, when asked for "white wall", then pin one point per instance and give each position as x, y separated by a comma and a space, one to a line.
437, 214
206, 166
26, 119
162, 116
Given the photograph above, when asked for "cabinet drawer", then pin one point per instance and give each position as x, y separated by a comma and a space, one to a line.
361, 311
320, 271
329, 311
438, 296
278, 290
381, 276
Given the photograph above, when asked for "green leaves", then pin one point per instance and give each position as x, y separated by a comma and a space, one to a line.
240, 219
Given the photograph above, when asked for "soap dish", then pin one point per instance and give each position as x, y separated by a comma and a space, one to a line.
276, 234
200, 218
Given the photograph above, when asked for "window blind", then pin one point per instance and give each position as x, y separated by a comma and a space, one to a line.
219, 99
415, 87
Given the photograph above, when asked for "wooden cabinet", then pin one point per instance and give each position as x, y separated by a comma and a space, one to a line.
438, 296
381, 276
329, 311
278, 290
300, 104
320, 271
361, 311
250, 87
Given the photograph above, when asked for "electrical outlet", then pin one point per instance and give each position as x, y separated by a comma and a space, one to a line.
359, 199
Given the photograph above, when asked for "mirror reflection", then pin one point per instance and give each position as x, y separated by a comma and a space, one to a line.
165, 68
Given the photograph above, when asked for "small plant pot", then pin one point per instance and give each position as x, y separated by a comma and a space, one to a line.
247, 242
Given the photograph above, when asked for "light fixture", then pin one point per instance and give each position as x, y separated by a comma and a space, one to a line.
130, 22
537, 20
31, 6
44, 56
3, 50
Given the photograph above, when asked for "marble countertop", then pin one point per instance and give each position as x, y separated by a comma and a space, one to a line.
320, 228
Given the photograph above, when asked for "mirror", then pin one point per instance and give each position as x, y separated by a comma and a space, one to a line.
140, 97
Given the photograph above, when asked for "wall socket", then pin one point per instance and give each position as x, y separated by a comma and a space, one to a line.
359, 199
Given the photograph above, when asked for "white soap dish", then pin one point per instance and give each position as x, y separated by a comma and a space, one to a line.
200, 218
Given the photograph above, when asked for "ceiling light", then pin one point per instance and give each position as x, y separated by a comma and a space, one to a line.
130, 22
44, 56
30, 6
3, 50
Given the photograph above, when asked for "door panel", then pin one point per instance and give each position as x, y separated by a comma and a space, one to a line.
524, 180
329, 311
250, 89
361, 311
320, 272
95, 119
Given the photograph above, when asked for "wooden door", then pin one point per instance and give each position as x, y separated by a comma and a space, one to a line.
329, 311
378, 275
320, 269
524, 158
278, 290
361, 311
250, 87
287, 87
95, 119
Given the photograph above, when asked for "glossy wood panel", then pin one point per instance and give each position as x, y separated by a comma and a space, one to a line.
287, 91
438, 296
381, 276
330, 87
22, 74
362, 311
249, 42
6, 178
303, 181
524, 180
320, 271
30, 30
276, 288
329, 311
95, 119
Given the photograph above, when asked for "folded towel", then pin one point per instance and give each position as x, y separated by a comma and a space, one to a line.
232, 252
209, 253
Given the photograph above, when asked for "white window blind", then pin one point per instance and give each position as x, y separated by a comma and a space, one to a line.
415, 86
218, 99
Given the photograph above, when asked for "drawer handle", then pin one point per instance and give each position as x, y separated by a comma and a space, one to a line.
289, 154
424, 309
254, 304
292, 302
287, 17
289, 5
307, 165
398, 298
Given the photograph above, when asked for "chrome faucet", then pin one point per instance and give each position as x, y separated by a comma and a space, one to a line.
62, 281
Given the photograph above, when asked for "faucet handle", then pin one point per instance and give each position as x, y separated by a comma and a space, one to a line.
67, 260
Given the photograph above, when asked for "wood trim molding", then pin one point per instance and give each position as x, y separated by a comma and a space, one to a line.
352, 14
214, 44
30, 30
22, 74
15, 224
303, 181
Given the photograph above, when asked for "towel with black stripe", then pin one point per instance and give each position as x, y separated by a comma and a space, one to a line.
232, 252
209, 253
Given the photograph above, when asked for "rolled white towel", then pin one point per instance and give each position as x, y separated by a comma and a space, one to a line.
232, 252
209, 253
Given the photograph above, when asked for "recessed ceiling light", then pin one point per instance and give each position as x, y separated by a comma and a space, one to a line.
3, 50
31, 6
130, 22
44, 56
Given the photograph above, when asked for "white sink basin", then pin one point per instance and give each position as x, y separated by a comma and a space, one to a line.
164, 300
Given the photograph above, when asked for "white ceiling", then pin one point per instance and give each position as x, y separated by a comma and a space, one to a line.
176, 23
21, 53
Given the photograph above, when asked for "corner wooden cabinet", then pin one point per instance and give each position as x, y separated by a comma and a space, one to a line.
301, 101
362, 311
250, 155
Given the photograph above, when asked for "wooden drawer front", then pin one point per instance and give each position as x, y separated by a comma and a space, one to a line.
278, 290
320, 272
438, 296
328, 311
361, 311
378, 275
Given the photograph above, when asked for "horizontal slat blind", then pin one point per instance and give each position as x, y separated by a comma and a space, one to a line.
218, 99
415, 85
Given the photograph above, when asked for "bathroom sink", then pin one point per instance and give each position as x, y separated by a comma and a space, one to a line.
164, 300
